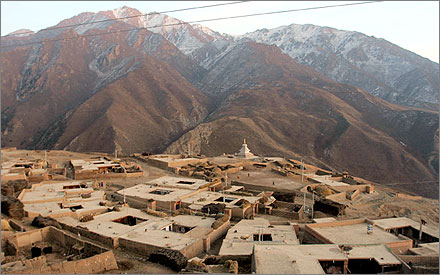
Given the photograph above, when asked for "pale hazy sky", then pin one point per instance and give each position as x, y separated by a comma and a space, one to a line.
413, 25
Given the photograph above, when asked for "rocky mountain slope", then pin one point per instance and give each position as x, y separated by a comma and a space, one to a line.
284, 108
47, 87
375, 65
138, 91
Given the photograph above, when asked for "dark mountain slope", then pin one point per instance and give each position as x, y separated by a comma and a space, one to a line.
287, 109
144, 111
45, 83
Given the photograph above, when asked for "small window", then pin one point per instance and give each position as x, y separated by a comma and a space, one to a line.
76, 207
71, 186
225, 199
186, 182
130, 220
178, 228
263, 237
239, 203
160, 192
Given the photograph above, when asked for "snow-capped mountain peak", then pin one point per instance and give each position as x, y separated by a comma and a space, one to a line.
21, 33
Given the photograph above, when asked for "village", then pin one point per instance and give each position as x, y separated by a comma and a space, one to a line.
68, 212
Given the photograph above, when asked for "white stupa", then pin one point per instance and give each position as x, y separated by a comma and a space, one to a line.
244, 151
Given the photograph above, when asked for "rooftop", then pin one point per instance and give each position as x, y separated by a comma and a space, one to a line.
171, 158
197, 200
225, 160
426, 249
294, 259
328, 180
242, 236
148, 229
178, 182
144, 191
45, 198
323, 220
304, 259
391, 223
93, 164
352, 232
53, 208
50, 190
267, 179
104, 224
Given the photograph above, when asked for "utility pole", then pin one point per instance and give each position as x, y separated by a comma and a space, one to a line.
226, 176
302, 171
116, 153
304, 204
260, 233
45, 158
422, 222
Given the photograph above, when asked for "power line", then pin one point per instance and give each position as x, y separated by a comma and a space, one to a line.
122, 18
411, 182
192, 22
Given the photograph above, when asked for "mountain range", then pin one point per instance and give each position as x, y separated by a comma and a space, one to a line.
341, 100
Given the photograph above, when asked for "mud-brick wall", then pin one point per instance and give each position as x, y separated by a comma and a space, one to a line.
165, 205
107, 241
285, 214
93, 265
215, 234
39, 178
255, 187
401, 247
354, 195
237, 212
420, 264
55, 170
157, 163
193, 249
28, 238
13, 176
140, 248
337, 196
132, 201
134, 174
85, 175
67, 240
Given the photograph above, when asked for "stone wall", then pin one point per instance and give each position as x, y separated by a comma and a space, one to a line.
134, 174
238, 212
157, 163
40, 178
337, 196
401, 247
351, 188
12, 177
140, 248
107, 241
193, 249
288, 213
93, 265
219, 232
103, 260
354, 195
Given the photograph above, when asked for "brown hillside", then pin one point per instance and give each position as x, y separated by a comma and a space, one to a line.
294, 111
